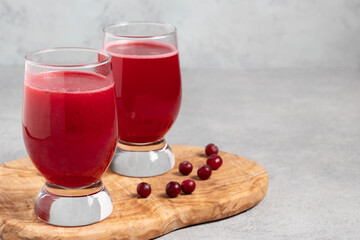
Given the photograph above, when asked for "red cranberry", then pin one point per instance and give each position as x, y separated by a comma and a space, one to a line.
214, 161
188, 186
144, 189
211, 149
185, 168
204, 172
173, 189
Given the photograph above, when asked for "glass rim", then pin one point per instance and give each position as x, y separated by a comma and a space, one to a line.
28, 56
157, 36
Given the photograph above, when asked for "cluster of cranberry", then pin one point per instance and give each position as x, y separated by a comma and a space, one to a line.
173, 188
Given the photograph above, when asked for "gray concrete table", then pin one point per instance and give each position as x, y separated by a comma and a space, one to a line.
302, 126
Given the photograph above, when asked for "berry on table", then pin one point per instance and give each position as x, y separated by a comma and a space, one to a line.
144, 189
211, 149
185, 168
214, 161
188, 186
173, 189
204, 172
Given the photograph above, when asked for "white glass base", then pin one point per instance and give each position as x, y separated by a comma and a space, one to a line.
142, 160
73, 207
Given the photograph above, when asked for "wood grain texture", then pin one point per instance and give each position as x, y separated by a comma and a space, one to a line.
237, 186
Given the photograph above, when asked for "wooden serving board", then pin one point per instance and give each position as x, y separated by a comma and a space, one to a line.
237, 186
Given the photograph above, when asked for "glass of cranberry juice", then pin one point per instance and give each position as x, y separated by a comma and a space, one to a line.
70, 132
145, 65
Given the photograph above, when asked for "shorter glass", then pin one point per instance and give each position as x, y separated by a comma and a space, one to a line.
145, 65
70, 132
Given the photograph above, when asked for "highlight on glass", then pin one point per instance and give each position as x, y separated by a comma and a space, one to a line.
70, 132
145, 64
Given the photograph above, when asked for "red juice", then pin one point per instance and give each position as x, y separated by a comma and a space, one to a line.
69, 125
148, 88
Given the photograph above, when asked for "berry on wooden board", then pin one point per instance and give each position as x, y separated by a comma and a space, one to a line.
214, 161
204, 172
188, 186
185, 168
211, 149
173, 189
144, 189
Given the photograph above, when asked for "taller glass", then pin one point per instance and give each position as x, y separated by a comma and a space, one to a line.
70, 132
145, 64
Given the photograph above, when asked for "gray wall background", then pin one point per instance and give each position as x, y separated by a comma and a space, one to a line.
232, 34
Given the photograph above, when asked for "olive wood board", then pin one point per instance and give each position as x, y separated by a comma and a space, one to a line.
235, 187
